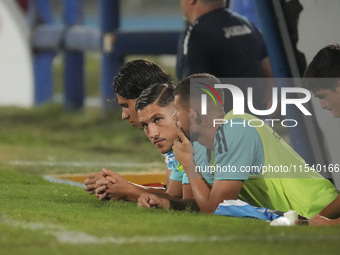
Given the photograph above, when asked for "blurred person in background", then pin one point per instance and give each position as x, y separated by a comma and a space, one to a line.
226, 45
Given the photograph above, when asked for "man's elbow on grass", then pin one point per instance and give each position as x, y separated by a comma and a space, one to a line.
221, 190
210, 209
210, 206
206, 205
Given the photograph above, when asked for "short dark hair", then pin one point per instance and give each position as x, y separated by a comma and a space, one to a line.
183, 88
325, 64
160, 93
137, 75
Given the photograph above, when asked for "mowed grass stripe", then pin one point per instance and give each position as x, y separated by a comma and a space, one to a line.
43, 214
75, 237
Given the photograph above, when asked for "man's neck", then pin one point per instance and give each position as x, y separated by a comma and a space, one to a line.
201, 9
207, 137
208, 131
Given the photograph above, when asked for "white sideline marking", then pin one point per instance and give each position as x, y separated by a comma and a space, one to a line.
83, 238
75, 237
71, 183
82, 185
81, 164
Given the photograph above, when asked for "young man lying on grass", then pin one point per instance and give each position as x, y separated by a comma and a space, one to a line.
129, 83
155, 108
238, 147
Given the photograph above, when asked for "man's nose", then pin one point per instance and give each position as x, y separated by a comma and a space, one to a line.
125, 114
153, 131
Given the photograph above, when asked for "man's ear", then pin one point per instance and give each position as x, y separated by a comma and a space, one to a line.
193, 115
192, 2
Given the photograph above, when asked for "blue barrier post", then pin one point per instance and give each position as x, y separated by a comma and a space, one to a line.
74, 60
245, 8
42, 62
276, 51
75, 39
111, 60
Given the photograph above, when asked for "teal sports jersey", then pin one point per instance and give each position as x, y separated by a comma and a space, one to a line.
235, 148
238, 147
305, 192
202, 158
236, 151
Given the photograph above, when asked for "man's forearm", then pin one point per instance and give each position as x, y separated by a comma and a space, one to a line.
201, 192
137, 190
200, 189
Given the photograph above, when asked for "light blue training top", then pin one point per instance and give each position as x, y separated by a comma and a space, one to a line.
236, 150
169, 159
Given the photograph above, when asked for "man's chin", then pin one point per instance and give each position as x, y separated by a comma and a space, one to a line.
164, 150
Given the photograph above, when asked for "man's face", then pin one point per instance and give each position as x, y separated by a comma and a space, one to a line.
181, 117
158, 125
128, 110
330, 100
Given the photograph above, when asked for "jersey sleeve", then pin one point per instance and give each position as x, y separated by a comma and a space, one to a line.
176, 173
185, 179
238, 147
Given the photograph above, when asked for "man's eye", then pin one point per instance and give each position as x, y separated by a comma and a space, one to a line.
157, 119
144, 126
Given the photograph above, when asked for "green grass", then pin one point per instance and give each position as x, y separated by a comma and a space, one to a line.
47, 134
34, 213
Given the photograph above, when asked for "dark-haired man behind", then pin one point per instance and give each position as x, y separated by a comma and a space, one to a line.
131, 80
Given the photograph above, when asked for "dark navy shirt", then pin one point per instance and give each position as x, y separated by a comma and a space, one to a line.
224, 44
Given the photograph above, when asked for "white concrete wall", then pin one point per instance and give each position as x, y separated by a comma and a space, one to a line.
319, 26
16, 75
